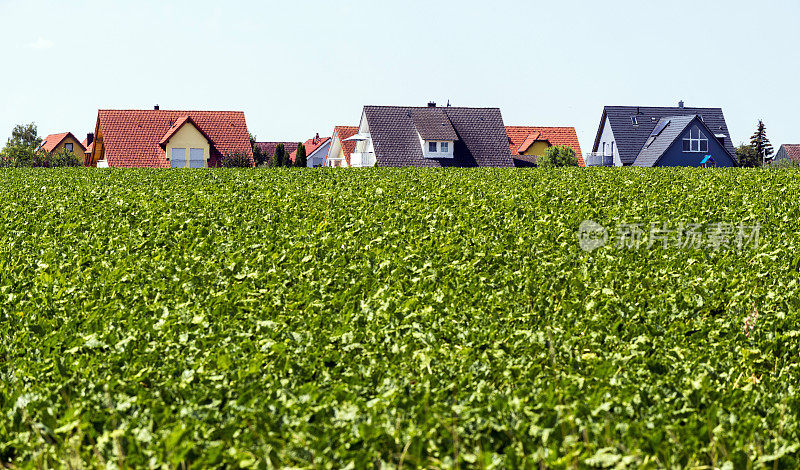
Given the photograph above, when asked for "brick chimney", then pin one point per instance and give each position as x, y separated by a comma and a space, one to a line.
156, 107
89, 139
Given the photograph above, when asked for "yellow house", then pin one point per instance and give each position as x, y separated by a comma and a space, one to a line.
168, 139
65, 141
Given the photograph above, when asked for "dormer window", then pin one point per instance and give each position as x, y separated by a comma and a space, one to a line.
695, 141
437, 149
432, 147
634, 120
445, 147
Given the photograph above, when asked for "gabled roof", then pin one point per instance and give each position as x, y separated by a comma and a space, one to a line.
481, 136
311, 145
520, 138
52, 141
177, 126
131, 138
345, 132
671, 129
792, 151
630, 138
433, 124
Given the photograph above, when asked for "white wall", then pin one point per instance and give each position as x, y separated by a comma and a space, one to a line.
607, 137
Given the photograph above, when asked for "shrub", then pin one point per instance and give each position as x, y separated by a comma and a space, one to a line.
557, 156
236, 160
62, 158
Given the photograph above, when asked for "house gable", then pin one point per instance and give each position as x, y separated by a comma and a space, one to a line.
683, 141
631, 126
185, 142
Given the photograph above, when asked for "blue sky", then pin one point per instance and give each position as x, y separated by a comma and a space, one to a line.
301, 67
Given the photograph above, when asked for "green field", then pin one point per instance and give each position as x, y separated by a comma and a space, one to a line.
395, 318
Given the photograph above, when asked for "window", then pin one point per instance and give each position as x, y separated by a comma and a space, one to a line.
178, 158
445, 147
635, 120
432, 147
68, 147
197, 158
604, 148
696, 141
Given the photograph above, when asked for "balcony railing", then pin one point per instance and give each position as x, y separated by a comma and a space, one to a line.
362, 159
598, 159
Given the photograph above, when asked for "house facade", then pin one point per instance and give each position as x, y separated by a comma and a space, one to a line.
431, 136
64, 141
316, 151
341, 147
527, 143
168, 139
628, 134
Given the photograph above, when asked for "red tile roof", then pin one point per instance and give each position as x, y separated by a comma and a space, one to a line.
54, 140
345, 132
88, 148
311, 145
520, 138
793, 152
131, 137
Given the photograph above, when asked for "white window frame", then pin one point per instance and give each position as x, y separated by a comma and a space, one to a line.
444, 147
433, 147
696, 141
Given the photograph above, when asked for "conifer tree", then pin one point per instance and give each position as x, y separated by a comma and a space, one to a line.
300, 156
760, 142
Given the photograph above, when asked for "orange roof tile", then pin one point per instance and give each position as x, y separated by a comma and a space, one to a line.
54, 140
132, 137
345, 132
520, 138
312, 144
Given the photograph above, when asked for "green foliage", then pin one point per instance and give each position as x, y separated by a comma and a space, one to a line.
300, 157
394, 318
557, 156
760, 143
25, 135
236, 160
280, 156
747, 156
62, 158
259, 157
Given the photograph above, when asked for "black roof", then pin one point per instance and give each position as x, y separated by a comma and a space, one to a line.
630, 138
480, 136
673, 127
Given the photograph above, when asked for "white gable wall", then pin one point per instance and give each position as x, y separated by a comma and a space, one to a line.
607, 138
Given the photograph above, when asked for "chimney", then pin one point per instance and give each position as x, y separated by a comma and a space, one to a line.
156, 107
89, 139
680, 104
431, 104
316, 139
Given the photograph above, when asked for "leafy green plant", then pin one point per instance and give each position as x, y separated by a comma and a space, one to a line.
236, 160
62, 158
557, 156
391, 318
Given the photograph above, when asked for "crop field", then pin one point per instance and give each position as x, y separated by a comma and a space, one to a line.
399, 319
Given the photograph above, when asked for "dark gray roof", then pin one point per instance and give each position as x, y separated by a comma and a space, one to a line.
631, 138
675, 125
433, 124
481, 138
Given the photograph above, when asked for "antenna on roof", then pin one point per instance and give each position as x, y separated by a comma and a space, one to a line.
448, 103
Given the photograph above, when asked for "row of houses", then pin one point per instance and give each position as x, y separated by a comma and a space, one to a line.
427, 136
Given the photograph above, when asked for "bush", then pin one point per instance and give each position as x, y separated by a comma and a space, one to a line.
62, 158
236, 160
783, 164
558, 156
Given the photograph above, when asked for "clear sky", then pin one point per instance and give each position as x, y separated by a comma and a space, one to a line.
300, 67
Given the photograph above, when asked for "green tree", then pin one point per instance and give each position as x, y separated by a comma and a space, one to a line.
258, 157
278, 158
747, 157
300, 157
26, 136
760, 142
558, 156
